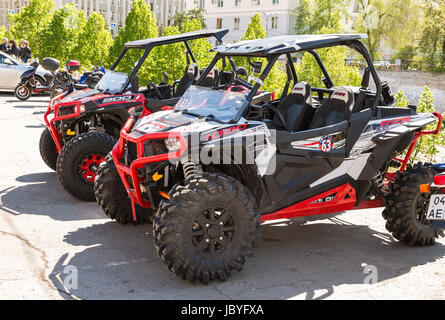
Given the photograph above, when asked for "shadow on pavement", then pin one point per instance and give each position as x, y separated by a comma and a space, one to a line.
41, 105
37, 126
121, 263
42, 195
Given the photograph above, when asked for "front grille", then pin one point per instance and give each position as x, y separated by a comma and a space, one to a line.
154, 147
131, 152
66, 110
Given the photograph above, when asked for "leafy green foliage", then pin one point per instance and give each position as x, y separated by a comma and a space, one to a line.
255, 29
334, 60
432, 42
140, 23
313, 15
427, 146
171, 58
93, 42
401, 100
395, 22
30, 23
2, 31
61, 34
181, 17
276, 79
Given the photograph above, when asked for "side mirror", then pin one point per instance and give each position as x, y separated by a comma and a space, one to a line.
8, 62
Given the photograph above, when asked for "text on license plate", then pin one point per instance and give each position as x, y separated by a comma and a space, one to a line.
436, 209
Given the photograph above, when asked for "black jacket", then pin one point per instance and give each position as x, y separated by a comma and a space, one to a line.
3, 47
25, 53
14, 51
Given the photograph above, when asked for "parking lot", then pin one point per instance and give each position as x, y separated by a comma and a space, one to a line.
45, 234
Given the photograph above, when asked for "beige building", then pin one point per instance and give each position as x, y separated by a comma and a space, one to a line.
114, 11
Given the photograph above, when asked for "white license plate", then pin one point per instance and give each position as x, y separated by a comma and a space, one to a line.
436, 209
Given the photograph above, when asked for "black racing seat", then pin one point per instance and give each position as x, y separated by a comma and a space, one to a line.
211, 78
334, 110
296, 108
190, 74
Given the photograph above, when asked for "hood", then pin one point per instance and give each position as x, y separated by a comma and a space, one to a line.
80, 95
171, 121
207, 130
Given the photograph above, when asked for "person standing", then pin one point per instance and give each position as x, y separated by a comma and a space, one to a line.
25, 51
4, 45
13, 48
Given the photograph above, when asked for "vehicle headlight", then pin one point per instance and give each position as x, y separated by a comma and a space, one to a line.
172, 144
65, 110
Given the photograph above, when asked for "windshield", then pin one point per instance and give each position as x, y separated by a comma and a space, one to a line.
221, 105
112, 82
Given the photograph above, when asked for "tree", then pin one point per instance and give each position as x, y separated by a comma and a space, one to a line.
276, 78
432, 42
93, 42
312, 15
61, 34
181, 17
171, 58
200, 47
30, 23
2, 31
394, 21
333, 59
255, 29
427, 146
140, 23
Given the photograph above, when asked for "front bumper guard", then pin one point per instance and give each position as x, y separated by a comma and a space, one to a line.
131, 171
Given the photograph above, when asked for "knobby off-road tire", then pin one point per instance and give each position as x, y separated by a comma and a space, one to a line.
48, 149
180, 231
406, 207
79, 160
113, 198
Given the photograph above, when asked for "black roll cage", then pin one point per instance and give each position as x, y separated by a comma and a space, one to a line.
160, 41
273, 57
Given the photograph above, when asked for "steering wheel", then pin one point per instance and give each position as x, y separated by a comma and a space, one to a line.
156, 90
277, 113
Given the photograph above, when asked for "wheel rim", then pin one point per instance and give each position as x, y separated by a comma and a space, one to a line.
23, 91
213, 231
422, 208
88, 166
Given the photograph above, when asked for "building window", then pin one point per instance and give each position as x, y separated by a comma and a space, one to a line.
218, 23
237, 3
236, 24
275, 1
220, 3
274, 23
255, 2
202, 3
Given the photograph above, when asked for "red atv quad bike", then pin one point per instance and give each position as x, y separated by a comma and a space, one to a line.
222, 161
82, 126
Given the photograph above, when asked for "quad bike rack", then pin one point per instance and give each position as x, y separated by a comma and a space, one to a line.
417, 135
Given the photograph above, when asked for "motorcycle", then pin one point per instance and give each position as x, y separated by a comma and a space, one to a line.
28, 83
91, 78
65, 82
59, 80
